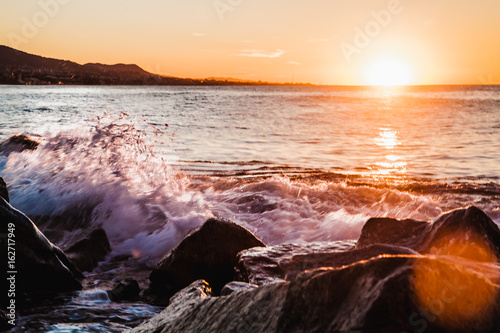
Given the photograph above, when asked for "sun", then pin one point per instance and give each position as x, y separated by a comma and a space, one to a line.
388, 72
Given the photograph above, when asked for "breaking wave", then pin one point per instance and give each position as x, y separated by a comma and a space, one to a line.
113, 174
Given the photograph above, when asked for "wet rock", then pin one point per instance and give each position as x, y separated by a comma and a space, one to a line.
236, 286
299, 263
18, 143
260, 266
42, 268
4, 193
282, 262
253, 311
126, 290
182, 302
88, 252
69, 226
461, 227
374, 287
4, 321
208, 252
377, 295
453, 232
407, 233
380, 295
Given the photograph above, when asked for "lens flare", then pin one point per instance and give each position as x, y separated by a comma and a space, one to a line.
457, 286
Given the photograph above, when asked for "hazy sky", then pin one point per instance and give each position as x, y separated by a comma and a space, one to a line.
318, 41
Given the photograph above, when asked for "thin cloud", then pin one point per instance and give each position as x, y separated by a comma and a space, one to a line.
261, 53
291, 62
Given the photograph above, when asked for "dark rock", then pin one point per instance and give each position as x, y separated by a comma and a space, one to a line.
253, 311
18, 143
299, 263
73, 221
126, 290
453, 233
283, 262
208, 252
463, 226
381, 295
377, 295
407, 233
67, 227
182, 302
4, 321
4, 193
236, 286
339, 300
262, 265
373, 288
88, 252
42, 268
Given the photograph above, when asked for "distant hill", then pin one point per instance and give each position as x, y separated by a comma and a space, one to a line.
18, 67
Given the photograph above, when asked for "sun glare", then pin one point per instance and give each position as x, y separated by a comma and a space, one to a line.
388, 72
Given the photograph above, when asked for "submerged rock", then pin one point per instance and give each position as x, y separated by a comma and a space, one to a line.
208, 252
18, 143
126, 290
91, 250
42, 268
4, 193
262, 265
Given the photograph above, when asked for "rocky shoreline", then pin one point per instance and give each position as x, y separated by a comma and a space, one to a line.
399, 276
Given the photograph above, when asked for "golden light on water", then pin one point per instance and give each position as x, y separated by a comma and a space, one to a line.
457, 291
387, 140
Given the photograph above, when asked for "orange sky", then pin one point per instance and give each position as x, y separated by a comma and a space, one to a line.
317, 41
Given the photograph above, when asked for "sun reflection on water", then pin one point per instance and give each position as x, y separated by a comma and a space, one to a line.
387, 138
389, 163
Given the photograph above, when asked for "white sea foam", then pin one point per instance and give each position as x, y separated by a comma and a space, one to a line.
112, 174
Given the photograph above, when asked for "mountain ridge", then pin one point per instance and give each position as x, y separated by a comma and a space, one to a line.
22, 68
